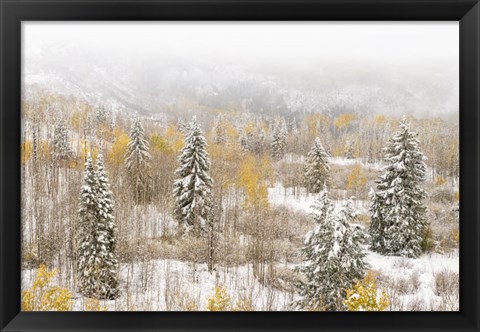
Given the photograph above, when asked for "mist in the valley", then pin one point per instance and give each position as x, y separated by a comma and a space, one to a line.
268, 68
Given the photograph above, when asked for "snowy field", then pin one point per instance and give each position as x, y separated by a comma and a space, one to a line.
161, 285
281, 196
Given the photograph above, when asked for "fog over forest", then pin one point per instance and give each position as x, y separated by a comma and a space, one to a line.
275, 69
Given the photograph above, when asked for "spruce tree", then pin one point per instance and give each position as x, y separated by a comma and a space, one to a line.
96, 261
106, 221
219, 130
192, 187
61, 145
252, 138
279, 139
317, 168
334, 258
137, 163
398, 216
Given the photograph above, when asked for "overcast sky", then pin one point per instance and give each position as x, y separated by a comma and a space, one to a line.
248, 42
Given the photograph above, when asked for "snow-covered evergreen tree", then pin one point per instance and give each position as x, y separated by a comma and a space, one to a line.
334, 258
398, 215
317, 168
106, 222
279, 139
96, 263
61, 145
137, 163
219, 130
182, 126
252, 138
192, 187
92, 238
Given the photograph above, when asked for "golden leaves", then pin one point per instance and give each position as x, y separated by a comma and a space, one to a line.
43, 296
365, 296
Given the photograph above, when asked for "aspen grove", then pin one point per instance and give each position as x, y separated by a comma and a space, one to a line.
274, 213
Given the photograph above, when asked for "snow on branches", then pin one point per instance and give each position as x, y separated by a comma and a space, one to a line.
316, 168
137, 162
334, 257
96, 252
398, 214
192, 187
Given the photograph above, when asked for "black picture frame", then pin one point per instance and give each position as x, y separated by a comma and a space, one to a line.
13, 12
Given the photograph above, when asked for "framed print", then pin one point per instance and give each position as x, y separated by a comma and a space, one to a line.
307, 165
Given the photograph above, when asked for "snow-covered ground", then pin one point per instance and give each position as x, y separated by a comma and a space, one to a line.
413, 279
281, 196
342, 161
160, 285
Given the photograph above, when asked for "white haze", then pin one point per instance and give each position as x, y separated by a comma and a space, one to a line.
418, 58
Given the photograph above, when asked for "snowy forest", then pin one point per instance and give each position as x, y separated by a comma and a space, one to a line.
249, 195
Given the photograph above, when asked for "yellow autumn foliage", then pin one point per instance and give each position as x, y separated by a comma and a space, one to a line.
93, 305
26, 152
219, 301
252, 177
45, 150
43, 296
379, 119
316, 122
440, 181
456, 236
365, 296
85, 149
158, 143
356, 179
116, 155
79, 118
174, 138
344, 120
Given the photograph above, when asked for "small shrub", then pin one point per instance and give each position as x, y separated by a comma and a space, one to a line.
365, 296
449, 239
177, 298
401, 285
402, 263
285, 279
442, 194
414, 281
244, 304
440, 181
447, 287
428, 243
445, 281
219, 301
192, 249
93, 305
30, 258
43, 296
